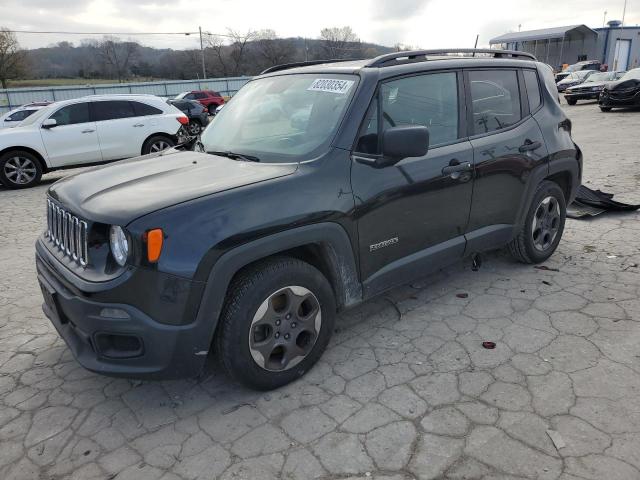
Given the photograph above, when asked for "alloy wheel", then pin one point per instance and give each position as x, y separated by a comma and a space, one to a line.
20, 170
546, 223
285, 328
159, 145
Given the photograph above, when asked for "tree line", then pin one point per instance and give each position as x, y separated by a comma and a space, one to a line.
232, 54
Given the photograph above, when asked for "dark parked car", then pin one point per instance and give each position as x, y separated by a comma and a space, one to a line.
590, 89
393, 168
623, 93
577, 67
207, 98
574, 78
198, 115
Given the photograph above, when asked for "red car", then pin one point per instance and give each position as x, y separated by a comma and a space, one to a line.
207, 98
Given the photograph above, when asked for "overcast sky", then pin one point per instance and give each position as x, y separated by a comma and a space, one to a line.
419, 23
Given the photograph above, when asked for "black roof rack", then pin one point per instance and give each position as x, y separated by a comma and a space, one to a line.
285, 66
420, 55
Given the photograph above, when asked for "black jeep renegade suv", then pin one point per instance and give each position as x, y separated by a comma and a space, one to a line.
316, 188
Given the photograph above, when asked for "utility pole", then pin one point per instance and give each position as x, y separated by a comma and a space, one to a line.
204, 71
604, 20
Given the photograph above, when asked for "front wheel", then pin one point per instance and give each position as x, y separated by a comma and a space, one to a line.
605, 109
543, 226
571, 101
19, 169
157, 143
276, 322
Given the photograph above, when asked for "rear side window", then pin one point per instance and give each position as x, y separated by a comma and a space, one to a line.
199, 95
495, 98
72, 114
533, 89
19, 116
142, 109
112, 110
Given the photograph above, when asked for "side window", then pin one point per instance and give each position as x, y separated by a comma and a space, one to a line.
199, 95
496, 100
112, 110
19, 116
72, 114
533, 89
429, 100
189, 96
142, 109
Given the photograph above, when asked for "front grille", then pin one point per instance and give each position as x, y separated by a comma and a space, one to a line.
67, 233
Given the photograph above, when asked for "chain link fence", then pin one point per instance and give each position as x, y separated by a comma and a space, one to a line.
14, 97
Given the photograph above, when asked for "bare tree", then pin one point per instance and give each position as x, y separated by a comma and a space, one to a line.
239, 42
216, 44
118, 56
340, 42
273, 50
12, 57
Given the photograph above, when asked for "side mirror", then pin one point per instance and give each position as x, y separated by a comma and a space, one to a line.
49, 123
403, 142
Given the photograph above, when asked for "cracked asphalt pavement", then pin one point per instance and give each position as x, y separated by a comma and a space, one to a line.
405, 390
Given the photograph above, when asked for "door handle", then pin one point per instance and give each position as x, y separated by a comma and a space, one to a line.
88, 131
456, 168
529, 145
139, 125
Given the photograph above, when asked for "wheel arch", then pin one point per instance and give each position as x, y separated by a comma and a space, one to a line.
30, 150
326, 246
173, 138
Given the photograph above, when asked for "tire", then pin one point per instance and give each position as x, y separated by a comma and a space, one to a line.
571, 101
260, 325
157, 143
20, 169
605, 109
537, 241
194, 127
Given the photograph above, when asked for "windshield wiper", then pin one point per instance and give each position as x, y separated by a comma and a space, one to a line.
235, 156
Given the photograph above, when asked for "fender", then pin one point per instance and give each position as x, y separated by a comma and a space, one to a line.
331, 237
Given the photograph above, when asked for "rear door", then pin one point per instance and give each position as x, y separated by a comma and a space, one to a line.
74, 139
123, 127
507, 146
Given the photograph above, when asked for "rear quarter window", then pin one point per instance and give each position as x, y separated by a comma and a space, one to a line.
533, 89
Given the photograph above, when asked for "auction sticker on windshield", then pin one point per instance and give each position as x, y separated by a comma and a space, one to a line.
331, 85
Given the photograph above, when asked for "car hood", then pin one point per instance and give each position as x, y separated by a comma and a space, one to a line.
123, 191
568, 81
624, 84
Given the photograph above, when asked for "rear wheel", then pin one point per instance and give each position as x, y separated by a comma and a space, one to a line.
19, 169
543, 226
276, 322
157, 143
194, 127
605, 109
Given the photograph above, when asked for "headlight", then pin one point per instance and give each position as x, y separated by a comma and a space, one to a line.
119, 244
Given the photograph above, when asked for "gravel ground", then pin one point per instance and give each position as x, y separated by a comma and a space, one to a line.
405, 389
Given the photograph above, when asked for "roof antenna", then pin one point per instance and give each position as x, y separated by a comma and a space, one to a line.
476, 44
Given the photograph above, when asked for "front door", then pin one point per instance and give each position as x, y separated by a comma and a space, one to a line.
412, 216
74, 139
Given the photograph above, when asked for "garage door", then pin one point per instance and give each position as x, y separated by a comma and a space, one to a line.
621, 55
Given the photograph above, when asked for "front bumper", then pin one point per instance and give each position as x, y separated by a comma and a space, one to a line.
613, 99
118, 339
582, 95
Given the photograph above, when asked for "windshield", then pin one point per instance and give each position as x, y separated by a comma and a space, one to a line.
601, 77
287, 118
43, 112
632, 74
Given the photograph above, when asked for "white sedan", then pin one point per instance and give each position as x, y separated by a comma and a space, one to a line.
85, 131
14, 117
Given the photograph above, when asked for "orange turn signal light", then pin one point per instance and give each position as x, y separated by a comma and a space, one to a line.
155, 238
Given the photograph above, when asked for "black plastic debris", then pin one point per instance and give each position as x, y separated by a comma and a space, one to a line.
589, 203
489, 345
